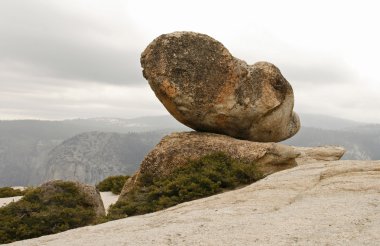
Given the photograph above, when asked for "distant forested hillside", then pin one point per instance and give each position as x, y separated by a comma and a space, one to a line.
361, 143
28, 147
90, 149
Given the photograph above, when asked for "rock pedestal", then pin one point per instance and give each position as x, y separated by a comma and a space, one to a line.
176, 149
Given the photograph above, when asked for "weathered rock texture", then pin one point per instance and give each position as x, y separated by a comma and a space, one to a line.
324, 203
91, 193
317, 154
203, 86
176, 149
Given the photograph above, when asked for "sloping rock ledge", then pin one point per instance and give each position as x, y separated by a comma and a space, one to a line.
176, 149
323, 203
316, 154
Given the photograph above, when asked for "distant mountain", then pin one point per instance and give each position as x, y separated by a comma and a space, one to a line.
141, 124
327, 122
90, 157
67, 128
361, 143
25, 145
32, 151
361, 140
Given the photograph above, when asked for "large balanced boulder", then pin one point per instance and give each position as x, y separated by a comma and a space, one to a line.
176, 149
203, 86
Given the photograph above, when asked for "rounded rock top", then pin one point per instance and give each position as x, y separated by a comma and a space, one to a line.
204, 87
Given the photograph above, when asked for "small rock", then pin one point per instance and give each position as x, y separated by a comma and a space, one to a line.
321, 153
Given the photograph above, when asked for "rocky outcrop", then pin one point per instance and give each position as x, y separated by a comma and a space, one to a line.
203, 86
321, 153
323, 203
92, 195
176, 149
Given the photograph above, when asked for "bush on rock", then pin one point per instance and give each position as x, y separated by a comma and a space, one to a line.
203, 177
112, 183
42, 211
10, 192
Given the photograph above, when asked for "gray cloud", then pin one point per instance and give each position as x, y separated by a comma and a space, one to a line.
320, 73
80, 58
44, 100
41, 36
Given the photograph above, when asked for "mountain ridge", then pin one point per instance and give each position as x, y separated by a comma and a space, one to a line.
25, 144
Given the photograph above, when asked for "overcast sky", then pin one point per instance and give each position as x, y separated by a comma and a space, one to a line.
80, 58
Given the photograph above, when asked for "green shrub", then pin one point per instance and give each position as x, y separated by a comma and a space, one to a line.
206, 176
112, 183
42, 212
9, 192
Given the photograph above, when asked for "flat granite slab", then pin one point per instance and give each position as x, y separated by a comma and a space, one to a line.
322, 203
